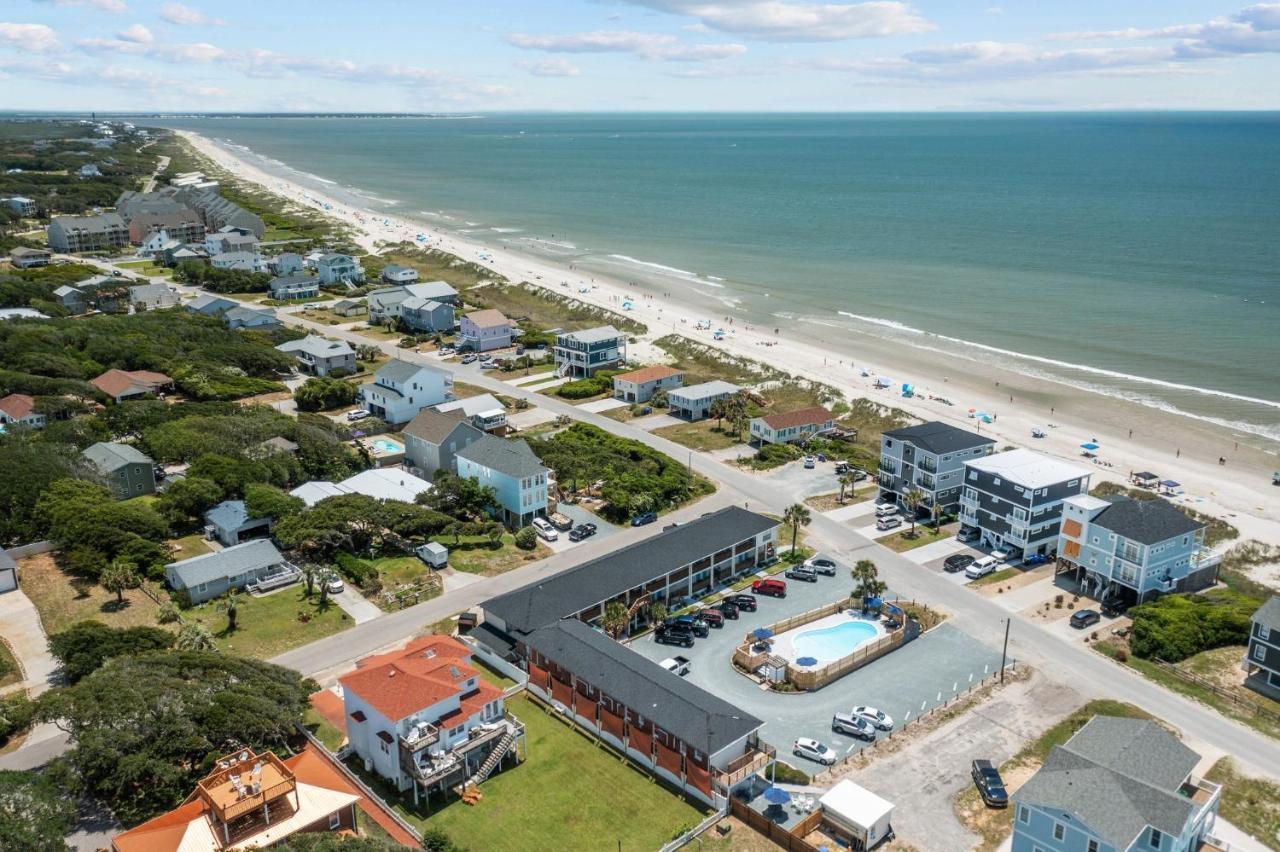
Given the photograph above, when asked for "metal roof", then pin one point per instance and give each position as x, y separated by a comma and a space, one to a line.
1028, 469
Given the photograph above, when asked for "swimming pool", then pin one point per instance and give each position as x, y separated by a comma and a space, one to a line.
831, 643
382, 445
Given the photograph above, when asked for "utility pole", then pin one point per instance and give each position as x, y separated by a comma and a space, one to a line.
1005, 653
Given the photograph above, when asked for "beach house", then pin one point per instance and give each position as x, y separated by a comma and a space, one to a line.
394, 273
18, 409
246, 317
103, 232
517, 476
928, 458
400, 390
210, 305
483, 411
240, 261
422, 717
339, 268
120, 385
791, 427
694, 402
28, 258
20, 204
640, 385
1128, 551
426, 315
433, 439
384, 303
125, 469
297, 286
1014, 500
581, 353
1118, 785
285, 263
232, 239
482, 331
212, 575
229, 522
1262, 657
319, 356
152, 297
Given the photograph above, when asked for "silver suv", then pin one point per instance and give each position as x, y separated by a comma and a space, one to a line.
844, 723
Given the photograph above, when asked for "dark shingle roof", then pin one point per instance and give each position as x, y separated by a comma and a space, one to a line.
698, 718
433, 427
544, 601
937, 437
1144, 521
1268, 615
513, 458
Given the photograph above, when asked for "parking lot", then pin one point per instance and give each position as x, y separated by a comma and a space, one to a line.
908, 680
579, 515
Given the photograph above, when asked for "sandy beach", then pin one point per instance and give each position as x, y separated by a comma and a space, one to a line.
1131, 437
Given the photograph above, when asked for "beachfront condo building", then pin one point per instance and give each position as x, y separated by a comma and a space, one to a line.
1126, 551
928, 458
580, 354
400, 390
1014, 500
88, 233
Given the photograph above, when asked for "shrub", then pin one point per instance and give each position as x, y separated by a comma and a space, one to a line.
788, 774
355, 569
323, 394
526, 538
1179, 626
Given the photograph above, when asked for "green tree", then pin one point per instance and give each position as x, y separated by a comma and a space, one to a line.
118, 577
35, 815
659, 399
459, 497
657, 612
83, 647
267, 501
145, 727
324, 394
187, 499
194, 636
615, 619
846, 481
913, 498
866, 580
719, 410
526, 538
16, 714
736, 413
229, 604
797, 515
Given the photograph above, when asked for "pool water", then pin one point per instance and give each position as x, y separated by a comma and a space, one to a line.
384, 446
832, 643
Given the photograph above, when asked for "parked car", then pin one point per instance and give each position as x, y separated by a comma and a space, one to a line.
858, 474
544, 529
876, 717
822, 565
728, 609
884, 510
802, 572
771, 586
854, 726
1083, 618
695, 624
958, 562
668, 634
743, 602
981, 567
888, 522
814, 750
842, 467
1001, 556
1113, 609
560, 522
676, 665
582, 531
358, 414
968, 535
810, 462
989, 783
470, 358
713, 617
336, 586
644, 518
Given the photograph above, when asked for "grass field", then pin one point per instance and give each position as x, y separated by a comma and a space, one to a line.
10, 671
900, 542
321, 729
998, 577
271, 624
570, 793
62, 599
189, 546
1251, 804
475, 555
541, 308
702, 435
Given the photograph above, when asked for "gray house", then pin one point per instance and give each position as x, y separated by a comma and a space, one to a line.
928, 458
394, 273
294, 287
71, 298
124, 469
210, 305
229, 523
385, 302
320, 356
152, 297
203, 578
581, 353
426, 315
88, 233
245, 317
1262, 662
1015, 500
695, 401
432, 440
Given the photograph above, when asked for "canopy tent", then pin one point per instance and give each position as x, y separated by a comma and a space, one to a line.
1145, 478
856, 811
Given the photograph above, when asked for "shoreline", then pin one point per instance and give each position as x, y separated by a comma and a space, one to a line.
1173, 445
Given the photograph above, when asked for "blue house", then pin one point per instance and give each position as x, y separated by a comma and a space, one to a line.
229, 523
1128, 551
512, 470
1118, 785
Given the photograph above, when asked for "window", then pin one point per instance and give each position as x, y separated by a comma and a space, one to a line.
1156, 837
1264, 632
1093, 846
334, 821
1259, 652
1073, 483
1059, 831
1024, 815
995, 481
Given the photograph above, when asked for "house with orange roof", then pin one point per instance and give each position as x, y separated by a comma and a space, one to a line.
20, 409
640, 385
791, 427
252, 801
127, 384
423, 718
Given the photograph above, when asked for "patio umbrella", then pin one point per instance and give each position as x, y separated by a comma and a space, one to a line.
777, 796
1089, 445
762, 633
807, 661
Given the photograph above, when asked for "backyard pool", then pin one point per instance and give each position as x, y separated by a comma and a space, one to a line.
385, 446
827, 639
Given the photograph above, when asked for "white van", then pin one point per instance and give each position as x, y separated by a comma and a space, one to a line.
544, 529
884, 510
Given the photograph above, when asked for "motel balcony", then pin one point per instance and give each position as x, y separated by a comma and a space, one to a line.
758, 756
926, 481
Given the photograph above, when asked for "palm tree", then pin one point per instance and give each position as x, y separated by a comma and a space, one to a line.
657, 612
230, 606
309, 575
914, 499
615, 618
866, 578
736, 412
194, 636
719, 410
118, 576
846, 480
935, 511
796, 516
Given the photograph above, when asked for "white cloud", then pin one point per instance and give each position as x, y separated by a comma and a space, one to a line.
128, 79
173, 53
780, 20
1254, 29
657, 46
31, 38
117, 7
549, 67
268, 64
994, 11
136, 33
186, 16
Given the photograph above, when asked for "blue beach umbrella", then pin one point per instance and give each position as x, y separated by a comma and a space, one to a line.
1089, 445
762, 633
777, 796
807, 661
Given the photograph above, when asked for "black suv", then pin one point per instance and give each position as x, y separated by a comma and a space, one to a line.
1083, 618
957, 563
728, 609
747, 603
674, 634
692, 622
989, 783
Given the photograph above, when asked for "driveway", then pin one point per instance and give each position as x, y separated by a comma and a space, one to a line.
356, 605
21, 628
599, 405
795, 481
579, 515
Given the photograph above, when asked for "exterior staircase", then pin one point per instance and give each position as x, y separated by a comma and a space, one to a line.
491, 762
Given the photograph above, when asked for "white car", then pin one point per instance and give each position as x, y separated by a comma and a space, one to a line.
1001, 556
876, 717
888, 522
814, 750
544, 529
822, 565
358, 414
335, 585
982, 567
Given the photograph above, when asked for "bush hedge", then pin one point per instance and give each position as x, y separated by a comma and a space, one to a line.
1176, 627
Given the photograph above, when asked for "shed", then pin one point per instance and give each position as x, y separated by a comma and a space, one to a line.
858, 813
434, 554
8, 572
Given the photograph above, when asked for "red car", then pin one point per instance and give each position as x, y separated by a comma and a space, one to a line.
772, 587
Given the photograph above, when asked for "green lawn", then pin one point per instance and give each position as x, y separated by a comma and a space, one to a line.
571, 793
10, 671
189, 546
703, 435
1251, 804
400, 570
272, 624
475, 555
899, 542
493, 676
998, 577
323, 731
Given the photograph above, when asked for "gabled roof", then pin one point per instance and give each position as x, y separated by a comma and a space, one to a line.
230, 562
150, 292
116, 382
1145, 521
1268, 615
431, 290
399, 371
386, 483
417, 303
513, 458
541, 602
652, 373
939, 438
244, 314
209, 303
800, 417
232, 515
434, 427
18, 405
592, 335
488, 318
698, 717
318, 347
111, 457
470, 406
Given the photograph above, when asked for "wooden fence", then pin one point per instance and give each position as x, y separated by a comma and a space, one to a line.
792, 841
1244, 704
810, 679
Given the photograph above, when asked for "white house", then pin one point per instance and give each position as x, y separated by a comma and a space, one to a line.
20, 409
400, 390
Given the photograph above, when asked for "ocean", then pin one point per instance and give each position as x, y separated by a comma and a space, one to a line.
1136, 255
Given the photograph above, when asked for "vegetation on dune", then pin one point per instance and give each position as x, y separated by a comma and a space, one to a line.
1175, 627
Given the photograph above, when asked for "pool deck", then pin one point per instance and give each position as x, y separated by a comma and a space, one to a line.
784, 643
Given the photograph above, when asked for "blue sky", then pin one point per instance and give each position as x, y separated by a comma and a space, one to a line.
447, 56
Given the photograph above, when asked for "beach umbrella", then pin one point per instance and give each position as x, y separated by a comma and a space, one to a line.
762, 633
1089, 445
1171, 483
777, 796
807, 661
